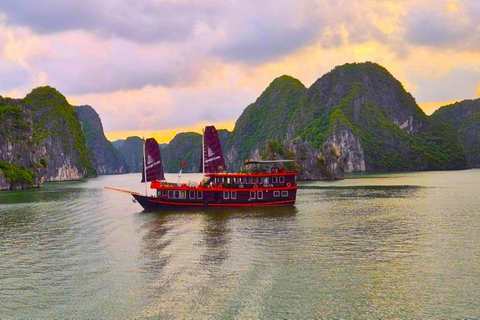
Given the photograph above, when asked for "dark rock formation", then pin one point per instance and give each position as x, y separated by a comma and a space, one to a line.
118, 143
268, 118
358, 115
377, 126
131, 151
41, 139
465, 117
184, 147
103, 156
22, 157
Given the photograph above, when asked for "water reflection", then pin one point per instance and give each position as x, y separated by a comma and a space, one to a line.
348, 249
200, 256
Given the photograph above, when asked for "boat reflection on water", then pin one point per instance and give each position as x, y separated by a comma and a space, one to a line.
197, 252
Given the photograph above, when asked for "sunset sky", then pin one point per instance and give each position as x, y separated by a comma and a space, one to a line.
154, 67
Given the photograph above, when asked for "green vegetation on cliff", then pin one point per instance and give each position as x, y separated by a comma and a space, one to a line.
465, 117
132, 150
13, 115
102, 155
358, 109
269, 118
16, 176
184, 147
56, 118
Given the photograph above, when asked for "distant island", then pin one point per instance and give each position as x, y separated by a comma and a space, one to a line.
355, 118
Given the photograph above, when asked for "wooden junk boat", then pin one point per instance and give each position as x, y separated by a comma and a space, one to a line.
261, 183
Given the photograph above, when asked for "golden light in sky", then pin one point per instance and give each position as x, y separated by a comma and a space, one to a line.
164, 136
452, 6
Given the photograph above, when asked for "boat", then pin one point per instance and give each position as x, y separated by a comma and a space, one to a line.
259, 183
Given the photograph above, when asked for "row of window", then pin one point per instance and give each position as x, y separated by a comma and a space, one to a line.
250, 180
181, 194
230, 195
277, 193
259, 194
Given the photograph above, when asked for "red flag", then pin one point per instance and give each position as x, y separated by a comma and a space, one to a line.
183, 164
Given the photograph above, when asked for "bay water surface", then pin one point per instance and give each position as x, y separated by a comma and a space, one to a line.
396, 245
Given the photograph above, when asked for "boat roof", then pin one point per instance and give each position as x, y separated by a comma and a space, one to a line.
247, 162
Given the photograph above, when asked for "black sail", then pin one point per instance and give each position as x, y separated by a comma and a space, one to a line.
153, 162
212, 151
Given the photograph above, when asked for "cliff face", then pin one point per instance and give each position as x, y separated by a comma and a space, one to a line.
465, 117
357, 117
375, 123
41, 140
457, 113
131, 151
268, 118
22, 161
102, 156
184, 147
63, 140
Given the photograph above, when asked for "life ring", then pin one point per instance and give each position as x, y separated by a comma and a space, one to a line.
255, 186
289, 184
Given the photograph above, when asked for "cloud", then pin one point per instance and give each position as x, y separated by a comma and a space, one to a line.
79, 63
138, 21
258, 32
444, 24
12, 75
458, 84
157, 108
161, 64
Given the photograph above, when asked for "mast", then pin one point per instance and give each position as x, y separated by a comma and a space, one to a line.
203, 150
145, 166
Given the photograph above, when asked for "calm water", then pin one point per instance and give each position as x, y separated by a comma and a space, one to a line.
372, 246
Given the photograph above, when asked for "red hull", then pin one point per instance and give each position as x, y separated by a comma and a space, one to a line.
225, 190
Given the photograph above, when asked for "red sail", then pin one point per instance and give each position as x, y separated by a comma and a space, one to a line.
212, 151
153, 161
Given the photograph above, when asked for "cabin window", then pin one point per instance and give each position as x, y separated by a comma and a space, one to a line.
170, 194
233, 195
250, 180
276, 193
274, 179
177, 194
260, 195
159, 193
165, 193
284, 193
183, 194
199, 194
225, 195
265, 181
192, 194
282, 179
243, 180
252, 194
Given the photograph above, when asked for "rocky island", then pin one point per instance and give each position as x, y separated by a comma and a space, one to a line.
43, 138
355, 118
